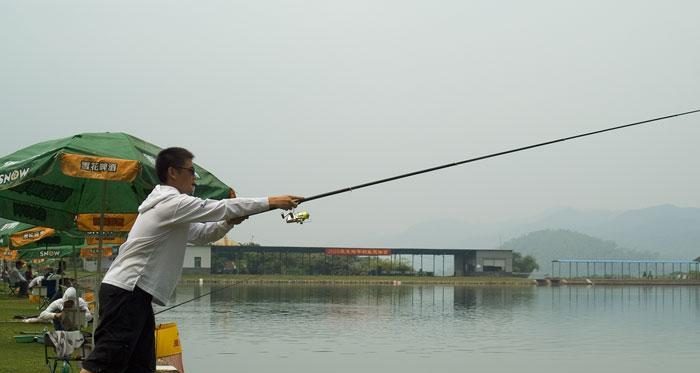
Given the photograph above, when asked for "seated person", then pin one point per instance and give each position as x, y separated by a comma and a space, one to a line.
58, 309
17, 280
28, 274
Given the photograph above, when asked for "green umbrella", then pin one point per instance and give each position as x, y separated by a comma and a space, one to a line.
16, 235
91, 182
68, 183
54, 252
33, 242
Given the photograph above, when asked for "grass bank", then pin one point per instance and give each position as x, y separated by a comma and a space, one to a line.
19, 357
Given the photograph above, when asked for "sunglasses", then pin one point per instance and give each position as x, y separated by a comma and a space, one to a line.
190, 169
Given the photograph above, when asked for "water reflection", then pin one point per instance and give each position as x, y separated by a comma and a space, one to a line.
637, 298
280, 327
429, 299
492, 297
414, 298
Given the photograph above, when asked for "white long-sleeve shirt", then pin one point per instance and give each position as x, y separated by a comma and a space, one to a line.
152, 256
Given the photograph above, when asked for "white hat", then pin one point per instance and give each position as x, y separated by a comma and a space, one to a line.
70, 294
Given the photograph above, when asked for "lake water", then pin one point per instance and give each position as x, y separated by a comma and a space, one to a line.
375, 328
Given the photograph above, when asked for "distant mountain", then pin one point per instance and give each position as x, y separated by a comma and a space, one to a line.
672, 231
668, 230
547, 245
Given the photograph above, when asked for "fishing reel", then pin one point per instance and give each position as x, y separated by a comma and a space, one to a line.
299, 217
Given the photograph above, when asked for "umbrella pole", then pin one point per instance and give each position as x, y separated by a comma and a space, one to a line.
98, 275
75, 268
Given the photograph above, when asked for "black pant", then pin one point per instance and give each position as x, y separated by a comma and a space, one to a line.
22, 285
124, 339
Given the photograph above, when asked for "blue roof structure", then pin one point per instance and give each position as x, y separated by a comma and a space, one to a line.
636, 268
626, 261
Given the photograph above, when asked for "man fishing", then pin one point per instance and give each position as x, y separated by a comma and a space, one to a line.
149, 263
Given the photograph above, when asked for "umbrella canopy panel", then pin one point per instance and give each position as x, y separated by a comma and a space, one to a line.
55, 252
60, 183
17, 235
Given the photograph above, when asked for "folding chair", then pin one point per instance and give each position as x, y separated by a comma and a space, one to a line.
12, 288
76, 319
52, 361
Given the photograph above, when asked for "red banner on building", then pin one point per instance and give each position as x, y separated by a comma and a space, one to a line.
351, 251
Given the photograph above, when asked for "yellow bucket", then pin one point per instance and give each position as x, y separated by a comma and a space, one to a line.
167, 340
34, 298
89, 297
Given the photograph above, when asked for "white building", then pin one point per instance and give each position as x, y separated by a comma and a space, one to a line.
198, 258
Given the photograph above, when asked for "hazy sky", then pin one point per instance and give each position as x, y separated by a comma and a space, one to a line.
305, 97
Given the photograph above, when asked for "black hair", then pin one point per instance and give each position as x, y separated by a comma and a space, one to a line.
171, 157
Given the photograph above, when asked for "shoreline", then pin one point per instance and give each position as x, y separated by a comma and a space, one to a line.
194, 279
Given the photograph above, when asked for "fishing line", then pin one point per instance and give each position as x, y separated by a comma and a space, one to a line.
203, 295
349, 189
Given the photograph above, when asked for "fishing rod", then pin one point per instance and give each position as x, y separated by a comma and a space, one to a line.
301, 217
203, 295
431, 169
